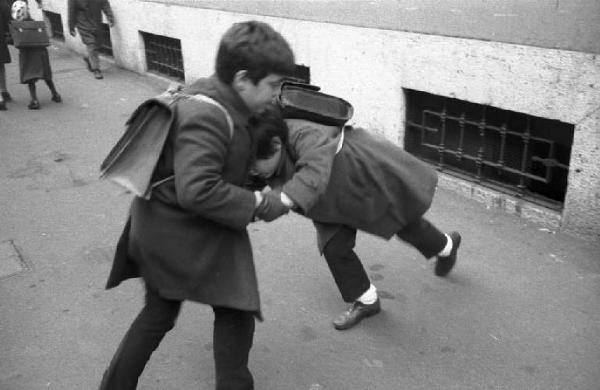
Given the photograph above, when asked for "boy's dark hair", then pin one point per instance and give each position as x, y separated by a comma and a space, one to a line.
256, 47
264, 126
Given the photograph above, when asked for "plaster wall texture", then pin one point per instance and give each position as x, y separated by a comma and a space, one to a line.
370, 67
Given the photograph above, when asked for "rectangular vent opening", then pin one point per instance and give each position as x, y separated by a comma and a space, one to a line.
56, 25
163, 55
104, 40
516, 153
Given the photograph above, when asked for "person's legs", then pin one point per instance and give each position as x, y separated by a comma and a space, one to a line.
34, 104
232, 339
4, 95
93, 59
345, 266
55, 96
430, 241
144, 335
351, 278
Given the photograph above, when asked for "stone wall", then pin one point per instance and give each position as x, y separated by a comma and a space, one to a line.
370, 67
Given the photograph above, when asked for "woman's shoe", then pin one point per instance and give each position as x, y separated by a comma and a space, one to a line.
6, 96
2, 106
56, 98
34, 105
98, 74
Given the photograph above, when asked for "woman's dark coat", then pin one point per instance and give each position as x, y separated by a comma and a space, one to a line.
4, 22
189, 241
370, 184
86, 15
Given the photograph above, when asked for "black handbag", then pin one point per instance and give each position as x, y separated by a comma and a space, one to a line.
304, 101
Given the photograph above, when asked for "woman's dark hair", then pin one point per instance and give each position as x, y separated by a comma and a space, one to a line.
265, 125
255, 47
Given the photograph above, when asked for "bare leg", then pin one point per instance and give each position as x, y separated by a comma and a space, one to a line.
4, 96
55, 96
34, 104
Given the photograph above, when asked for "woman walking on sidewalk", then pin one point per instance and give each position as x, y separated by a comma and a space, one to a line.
34, 62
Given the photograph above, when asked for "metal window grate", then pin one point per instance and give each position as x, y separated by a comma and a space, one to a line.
163, 55
523, 155
56, 25
105, 41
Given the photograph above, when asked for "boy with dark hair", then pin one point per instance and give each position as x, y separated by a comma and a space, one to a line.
189, 240
347, 180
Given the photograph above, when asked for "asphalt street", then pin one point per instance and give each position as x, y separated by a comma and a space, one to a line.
521, 310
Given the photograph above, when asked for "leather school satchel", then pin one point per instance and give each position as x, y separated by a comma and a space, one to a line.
29, 33
131, 162
304, 101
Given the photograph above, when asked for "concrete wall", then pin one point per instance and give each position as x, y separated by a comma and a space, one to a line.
555, 24
371, 66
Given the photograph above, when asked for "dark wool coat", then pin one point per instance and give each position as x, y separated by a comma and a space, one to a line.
189, 241
4, 22
34, 64
86, 15
370, 185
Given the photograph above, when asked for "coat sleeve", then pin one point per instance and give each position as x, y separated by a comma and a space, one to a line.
4, 17
108, 11
200, 152
313, 148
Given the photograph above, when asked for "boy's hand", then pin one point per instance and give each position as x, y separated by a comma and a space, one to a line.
271, 207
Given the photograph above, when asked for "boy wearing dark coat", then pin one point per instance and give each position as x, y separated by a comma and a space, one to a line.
347, 180
189, 240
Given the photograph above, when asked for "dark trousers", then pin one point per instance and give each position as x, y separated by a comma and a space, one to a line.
346, 268
232, 339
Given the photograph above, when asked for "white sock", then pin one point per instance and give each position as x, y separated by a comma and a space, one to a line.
448, 248
369, 297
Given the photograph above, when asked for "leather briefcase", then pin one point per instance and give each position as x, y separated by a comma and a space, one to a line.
29, 34
304, 101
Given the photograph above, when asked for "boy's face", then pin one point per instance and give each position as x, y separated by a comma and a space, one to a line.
265, 168
257, 96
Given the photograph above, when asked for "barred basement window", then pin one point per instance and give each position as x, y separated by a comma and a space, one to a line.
520, 154
56, 25
163, 55
105, 41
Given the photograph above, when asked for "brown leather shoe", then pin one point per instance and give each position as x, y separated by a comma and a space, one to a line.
355, 313
444, 265
98, 74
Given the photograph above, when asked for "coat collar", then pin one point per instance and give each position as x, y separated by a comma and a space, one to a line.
222, 92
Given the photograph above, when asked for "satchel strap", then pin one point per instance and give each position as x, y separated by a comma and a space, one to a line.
205, 99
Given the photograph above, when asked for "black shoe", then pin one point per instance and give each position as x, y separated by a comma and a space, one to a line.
444, 264
89, 65
98, 74
6, 96
34, 105
355, 313
2, 106
56, 98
